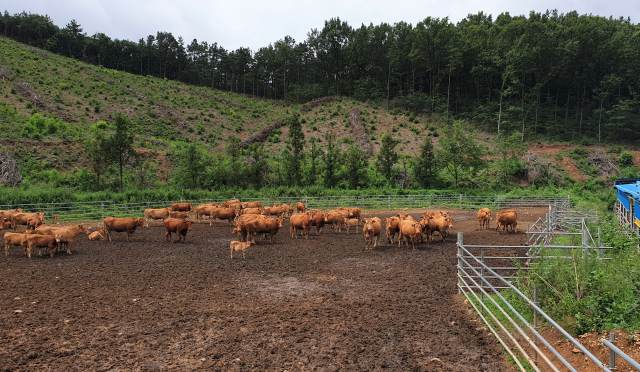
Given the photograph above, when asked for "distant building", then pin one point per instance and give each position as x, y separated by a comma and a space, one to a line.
627, 206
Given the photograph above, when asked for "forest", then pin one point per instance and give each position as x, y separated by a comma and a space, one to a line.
548, 75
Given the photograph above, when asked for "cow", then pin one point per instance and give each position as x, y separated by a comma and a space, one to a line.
128, 224
14, 239
239, 246
241, 225
438, 223
178, 226
229, 202
41, 241
156, 214
225, 214
252, 210
273, 211
98, 235
392, 227
34, 222
317, 220
335, 218
8, 213
300, 221
67, 233
371, 231
206, 210
288, 210
301, 207
252, 205
263, 226
182, 207
410, 230
351, 222
181, 215
23, 218
484, 217
507, 218
56, 219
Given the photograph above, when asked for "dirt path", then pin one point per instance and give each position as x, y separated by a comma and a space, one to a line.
321, 304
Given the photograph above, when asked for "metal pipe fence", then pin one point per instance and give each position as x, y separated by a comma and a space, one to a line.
477, 283
97, 210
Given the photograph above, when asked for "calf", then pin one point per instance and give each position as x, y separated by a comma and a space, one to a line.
484, 217
300, 207
371, 231
410, 230
98, 235
41, 241
300, 221
392, 225
179, 214
351, 222
239, 246
14, 239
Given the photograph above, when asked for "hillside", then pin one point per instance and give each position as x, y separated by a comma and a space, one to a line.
50, 102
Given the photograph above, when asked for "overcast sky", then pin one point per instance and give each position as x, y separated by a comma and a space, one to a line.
256, 23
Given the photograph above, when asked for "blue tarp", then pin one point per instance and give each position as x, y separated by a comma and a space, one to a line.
623, 198
626, 191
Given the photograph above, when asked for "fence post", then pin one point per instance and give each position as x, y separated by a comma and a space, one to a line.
612, 354
535, 323
482, 279
460, 244
389, 202
102, 208
460, 201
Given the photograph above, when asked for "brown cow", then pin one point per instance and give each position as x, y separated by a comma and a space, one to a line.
288, 210
181, 215
156, 214
507, 218
252, 210
484, 217
239, 246
182, 207
410, 230
317, 220
178, 226
56, 219
128, 224
273, 211
301, 207
252, 205
371, 231
300, 221
263, 226
41, 241
351, 222
34, 222
225, 214
23, 218
206, 210
229, 202
8, 213
98, 235
439, 223
67, 233
14, 239
335, 218
392, 226
241, 225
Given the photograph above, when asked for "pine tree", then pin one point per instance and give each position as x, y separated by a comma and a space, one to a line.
387, 157
424, 166
330, 160
356, 166
120, 145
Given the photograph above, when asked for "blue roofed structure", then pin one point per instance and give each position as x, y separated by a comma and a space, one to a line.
627, 207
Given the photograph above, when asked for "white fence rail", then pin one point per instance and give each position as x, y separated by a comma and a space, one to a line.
97, 210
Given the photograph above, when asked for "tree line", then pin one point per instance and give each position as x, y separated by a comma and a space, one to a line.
564, 76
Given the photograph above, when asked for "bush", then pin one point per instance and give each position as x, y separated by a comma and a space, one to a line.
626, 159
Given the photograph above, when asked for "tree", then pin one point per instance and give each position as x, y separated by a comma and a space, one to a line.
510, 149
120, 144
356, 167
424, 166
191, 166
460, 152
295, 139
97, 148
387, 157
330, 160
314, 154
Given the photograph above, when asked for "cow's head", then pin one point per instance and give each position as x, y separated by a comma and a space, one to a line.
141, 222
83, 228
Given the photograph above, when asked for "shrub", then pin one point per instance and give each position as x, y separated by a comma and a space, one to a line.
626, 159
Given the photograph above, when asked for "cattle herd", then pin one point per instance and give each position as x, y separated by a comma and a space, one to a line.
249, 218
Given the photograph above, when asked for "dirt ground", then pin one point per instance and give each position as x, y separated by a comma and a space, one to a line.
322, 304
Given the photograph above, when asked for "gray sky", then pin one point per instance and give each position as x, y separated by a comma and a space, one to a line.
256, 23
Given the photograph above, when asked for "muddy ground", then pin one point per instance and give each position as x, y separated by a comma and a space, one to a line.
322, 304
